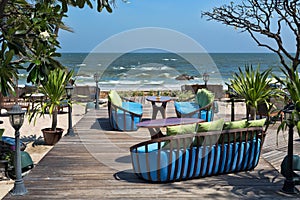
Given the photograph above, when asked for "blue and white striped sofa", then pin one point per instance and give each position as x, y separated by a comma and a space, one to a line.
187, 156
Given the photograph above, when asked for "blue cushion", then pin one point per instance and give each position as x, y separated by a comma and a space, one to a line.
188, 107
133, 107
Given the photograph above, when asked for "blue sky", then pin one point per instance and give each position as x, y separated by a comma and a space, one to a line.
91, 27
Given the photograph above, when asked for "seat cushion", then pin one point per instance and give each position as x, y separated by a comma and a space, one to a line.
186, 107
133, 107
114, 98
204, 97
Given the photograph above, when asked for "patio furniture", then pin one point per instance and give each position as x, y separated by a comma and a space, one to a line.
8, 102
158, 99
201, 106
154, 126
123, 113
188, 156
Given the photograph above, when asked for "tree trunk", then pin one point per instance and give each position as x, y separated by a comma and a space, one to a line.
54, 119
251, 111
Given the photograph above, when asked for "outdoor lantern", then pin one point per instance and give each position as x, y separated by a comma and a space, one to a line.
289, 183
69, 90
205, 78
96, 78
16, 118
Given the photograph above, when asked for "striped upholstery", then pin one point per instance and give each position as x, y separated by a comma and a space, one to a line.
203, 154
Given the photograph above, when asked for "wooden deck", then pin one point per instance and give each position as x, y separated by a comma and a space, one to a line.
95, 164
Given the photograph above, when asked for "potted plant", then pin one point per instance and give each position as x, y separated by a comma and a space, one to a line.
253, 86
54, 89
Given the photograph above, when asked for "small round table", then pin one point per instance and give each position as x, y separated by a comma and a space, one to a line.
158, 99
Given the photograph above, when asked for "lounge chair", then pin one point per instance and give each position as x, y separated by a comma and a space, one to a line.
123, 113
201, 106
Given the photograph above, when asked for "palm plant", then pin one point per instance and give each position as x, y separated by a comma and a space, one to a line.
54, 90
292, 87
254, 86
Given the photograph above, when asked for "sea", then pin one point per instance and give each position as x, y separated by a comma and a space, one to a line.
153, 71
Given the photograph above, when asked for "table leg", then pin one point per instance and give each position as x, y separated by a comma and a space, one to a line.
155, 133
161, 109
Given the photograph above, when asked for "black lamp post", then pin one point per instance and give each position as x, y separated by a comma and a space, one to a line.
289, 183
16, 119
205, 78
96, 79
69, 89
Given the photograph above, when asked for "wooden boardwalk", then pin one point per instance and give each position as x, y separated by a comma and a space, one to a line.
95, 164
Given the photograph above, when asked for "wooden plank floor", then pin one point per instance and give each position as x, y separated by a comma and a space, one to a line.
95, 164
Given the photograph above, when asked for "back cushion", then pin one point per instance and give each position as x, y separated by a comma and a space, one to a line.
115, 99
235, 125
256, 123
204, 97
181, 129
216, 125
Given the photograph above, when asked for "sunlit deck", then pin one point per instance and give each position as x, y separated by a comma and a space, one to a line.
95, 164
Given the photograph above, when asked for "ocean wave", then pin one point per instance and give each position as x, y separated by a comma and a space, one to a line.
124, 82
155, 68
153, 82
142, 75
168, 59
81, 65
119, 68
164, 75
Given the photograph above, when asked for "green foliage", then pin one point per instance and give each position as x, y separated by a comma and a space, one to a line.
183, 95
8, 70
253, 85
292, 88
54, 90
29, 32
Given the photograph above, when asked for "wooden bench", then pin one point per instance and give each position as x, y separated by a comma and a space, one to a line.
188, 156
